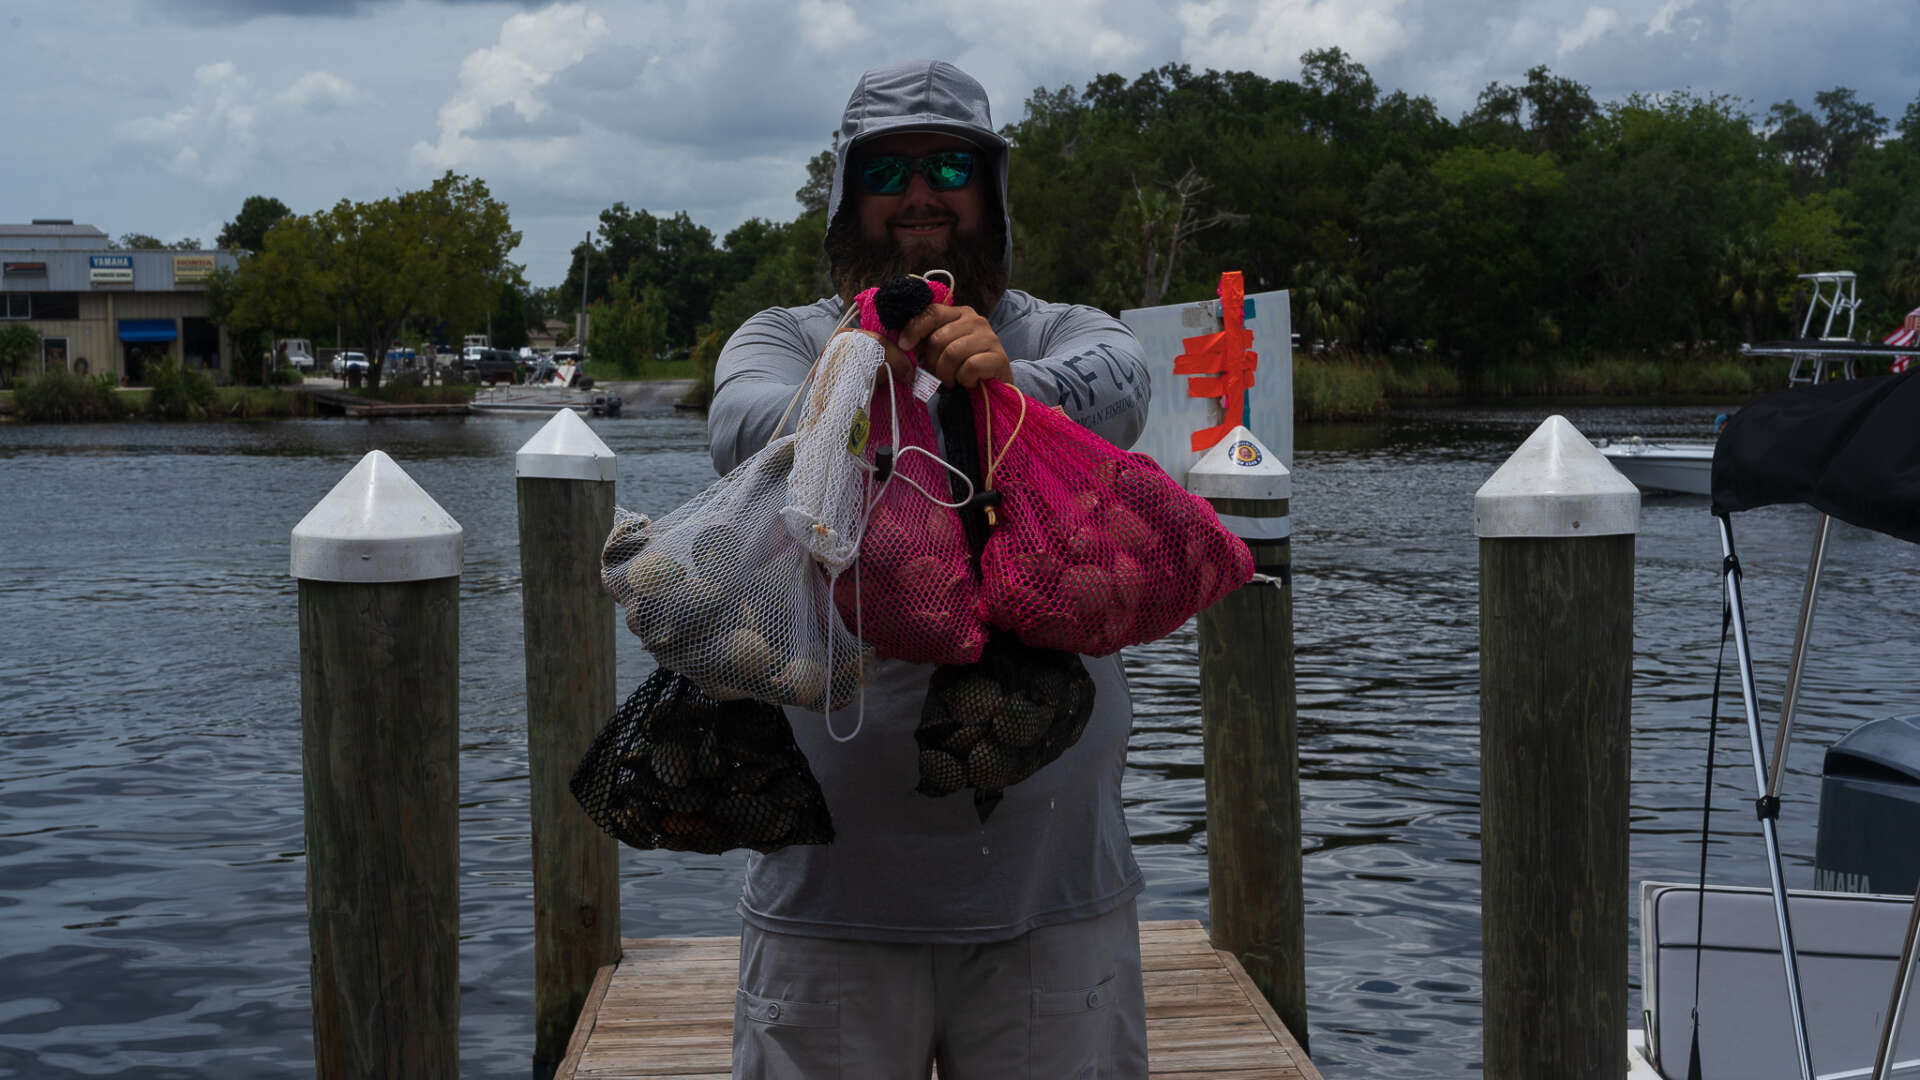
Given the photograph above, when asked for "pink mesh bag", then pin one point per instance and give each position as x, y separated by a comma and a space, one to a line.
1093, 548
912, 594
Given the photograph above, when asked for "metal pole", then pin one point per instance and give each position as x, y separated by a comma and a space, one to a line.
1902, 987
1749, 701
586, 267
1791, 695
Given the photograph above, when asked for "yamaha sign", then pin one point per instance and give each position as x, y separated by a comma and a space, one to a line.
110, 269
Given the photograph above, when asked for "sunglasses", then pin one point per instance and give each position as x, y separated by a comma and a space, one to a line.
889, 174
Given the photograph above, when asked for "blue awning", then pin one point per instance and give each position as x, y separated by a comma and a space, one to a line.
147, 330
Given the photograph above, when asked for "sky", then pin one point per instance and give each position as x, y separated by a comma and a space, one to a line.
162, 116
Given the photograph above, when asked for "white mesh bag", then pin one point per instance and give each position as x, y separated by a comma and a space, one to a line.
826, 494
720, 592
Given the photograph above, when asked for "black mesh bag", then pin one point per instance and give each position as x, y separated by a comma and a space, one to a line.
992, 724
676, 769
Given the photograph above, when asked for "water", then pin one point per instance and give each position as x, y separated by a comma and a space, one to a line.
152, 904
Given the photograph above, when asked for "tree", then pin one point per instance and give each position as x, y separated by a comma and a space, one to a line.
813, 194
1154, 226
628, 331
134, 241
248, 229
19, 346
438, 254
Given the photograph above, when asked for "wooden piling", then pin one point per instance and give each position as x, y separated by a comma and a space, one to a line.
1556, 526
565, 476
378, 564
1250, 728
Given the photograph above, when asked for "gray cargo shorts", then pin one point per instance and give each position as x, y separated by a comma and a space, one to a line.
1062, 1002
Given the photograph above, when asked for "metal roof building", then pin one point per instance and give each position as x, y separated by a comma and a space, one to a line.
103, 310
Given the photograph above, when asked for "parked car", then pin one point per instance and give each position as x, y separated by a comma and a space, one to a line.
349, 361
297, 352
497, 365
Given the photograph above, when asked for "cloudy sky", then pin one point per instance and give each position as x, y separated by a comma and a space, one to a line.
162, 116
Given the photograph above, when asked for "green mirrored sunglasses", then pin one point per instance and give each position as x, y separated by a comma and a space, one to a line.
889, 174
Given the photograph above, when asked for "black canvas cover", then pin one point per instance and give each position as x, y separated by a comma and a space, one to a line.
1851, 449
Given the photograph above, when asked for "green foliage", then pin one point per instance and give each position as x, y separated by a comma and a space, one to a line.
434, 255
248, 229
63, 397
624, 331
1330, 388
19, 348
1543, 243
176, 393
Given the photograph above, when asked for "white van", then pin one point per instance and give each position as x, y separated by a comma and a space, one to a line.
296, 352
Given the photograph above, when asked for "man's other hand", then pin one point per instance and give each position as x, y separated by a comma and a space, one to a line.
957, 344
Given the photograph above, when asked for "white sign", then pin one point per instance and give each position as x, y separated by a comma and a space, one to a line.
1175, 416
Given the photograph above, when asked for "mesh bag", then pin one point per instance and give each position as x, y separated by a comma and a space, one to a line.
1093, 548
826, 490
912, 595
720, 592
991, 724
676, 769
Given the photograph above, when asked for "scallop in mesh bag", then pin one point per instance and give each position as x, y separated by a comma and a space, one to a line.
991, 724
678, 770
719, 591
912, 594
1092, 548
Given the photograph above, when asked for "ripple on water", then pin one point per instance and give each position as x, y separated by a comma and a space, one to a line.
151, 836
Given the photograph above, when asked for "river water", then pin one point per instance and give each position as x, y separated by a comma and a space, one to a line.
152, 908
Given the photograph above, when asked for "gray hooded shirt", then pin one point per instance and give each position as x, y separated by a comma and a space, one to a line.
903, 866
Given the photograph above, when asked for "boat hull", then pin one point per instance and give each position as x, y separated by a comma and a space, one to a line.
1681, 467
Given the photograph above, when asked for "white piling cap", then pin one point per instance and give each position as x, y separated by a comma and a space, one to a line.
376, 525
1556, 484
565, 448
1240, 467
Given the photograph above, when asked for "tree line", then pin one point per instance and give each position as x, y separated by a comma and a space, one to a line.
1541, 223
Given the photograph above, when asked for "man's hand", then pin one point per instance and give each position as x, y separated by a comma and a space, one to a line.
956, 344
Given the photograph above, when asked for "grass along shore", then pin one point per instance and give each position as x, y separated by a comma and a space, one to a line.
1356, 387
62, 397
1325, 388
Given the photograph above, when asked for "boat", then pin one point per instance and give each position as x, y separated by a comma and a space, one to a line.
1685, 466
1680, 466
524, 400
1763, 983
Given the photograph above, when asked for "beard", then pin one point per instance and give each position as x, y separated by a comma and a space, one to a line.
976, 260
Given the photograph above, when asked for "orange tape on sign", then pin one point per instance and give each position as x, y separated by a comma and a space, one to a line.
1221, 365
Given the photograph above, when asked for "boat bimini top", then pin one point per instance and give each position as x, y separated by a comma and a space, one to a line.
1850, 450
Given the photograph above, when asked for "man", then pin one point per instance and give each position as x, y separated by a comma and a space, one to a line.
1003, 949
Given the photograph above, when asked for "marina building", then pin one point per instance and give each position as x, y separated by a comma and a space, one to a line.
99, 309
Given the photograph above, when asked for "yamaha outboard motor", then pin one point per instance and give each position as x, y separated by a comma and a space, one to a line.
1870, 810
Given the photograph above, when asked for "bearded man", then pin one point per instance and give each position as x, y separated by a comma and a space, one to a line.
1007, 948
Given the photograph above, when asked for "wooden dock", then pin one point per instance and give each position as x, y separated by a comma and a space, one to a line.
666, 1010
356, 406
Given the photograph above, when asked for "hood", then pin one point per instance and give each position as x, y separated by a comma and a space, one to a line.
923, 95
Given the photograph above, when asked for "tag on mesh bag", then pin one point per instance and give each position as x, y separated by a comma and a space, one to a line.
992, 724
720, 592
912, 595
1093, 548
675, 769
826, 491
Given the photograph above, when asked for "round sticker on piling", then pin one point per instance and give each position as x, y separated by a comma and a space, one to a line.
1245, 453
857, 433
